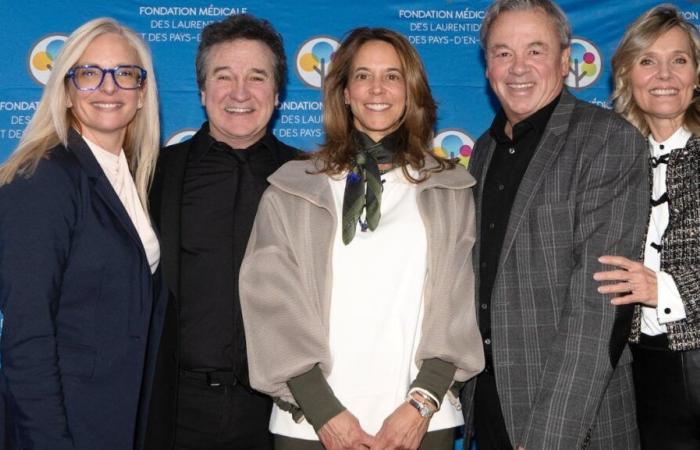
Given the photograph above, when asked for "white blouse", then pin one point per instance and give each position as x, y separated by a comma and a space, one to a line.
670, 305
116, 169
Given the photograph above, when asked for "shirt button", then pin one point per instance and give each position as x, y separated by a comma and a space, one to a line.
484, 306
487, 341
667, 310
483, 264
511, 151
661, 146
492, 225
501, 187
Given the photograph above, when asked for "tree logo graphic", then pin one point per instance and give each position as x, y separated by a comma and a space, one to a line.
453, 143
42, 56
180, 136
314, 59
586, 64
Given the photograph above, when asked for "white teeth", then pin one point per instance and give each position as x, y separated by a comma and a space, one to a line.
668, 91
377, 106
234, 110
520, 85
106, 105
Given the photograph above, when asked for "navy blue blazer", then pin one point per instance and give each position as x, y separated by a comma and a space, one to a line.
82, 312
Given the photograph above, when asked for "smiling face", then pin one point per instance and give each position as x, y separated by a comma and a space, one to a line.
104, 114
662, 80
525, 63
239, 92
376, 89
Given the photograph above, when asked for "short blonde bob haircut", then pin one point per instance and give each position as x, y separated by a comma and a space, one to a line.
637, 39
416, 127
53, 118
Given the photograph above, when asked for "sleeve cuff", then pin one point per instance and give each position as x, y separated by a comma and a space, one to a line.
315, 397
435, 376
669, 306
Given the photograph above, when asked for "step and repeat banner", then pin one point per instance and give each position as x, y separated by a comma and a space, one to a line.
446, 33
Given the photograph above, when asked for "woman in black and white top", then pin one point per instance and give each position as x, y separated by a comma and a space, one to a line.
656, 88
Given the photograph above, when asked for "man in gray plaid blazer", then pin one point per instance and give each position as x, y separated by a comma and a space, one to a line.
560, 183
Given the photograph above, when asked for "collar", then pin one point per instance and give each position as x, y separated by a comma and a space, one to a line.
206, 143
301, 178
111, 164
677, 140
102, 155
536, 121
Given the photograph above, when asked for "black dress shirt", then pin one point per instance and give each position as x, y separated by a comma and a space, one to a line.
505, 171
504, 174
221, 191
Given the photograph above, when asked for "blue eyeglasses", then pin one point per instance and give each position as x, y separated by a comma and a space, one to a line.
89, 78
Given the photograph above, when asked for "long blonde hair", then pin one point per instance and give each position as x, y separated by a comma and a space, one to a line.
50, 124
638, 37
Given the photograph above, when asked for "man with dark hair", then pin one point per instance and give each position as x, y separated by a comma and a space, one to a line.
204, 198
560, 182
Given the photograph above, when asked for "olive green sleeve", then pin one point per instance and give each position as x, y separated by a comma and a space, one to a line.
315, 397
435, 376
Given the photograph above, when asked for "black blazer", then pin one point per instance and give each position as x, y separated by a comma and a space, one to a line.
165, 205
82, 312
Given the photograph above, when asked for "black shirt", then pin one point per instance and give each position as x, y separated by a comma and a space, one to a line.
506, 169
221, 191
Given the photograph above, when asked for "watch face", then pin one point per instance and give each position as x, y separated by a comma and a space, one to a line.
424, 411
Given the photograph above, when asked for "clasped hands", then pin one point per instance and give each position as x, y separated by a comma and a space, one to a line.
402, 430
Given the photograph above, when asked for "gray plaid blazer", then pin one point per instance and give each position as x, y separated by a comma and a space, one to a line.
560, 358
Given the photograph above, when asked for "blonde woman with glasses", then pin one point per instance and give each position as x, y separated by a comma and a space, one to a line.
79, 278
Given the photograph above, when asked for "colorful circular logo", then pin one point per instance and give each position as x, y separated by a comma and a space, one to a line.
43, 55
453, 143
586, 64
314, 59
180, 136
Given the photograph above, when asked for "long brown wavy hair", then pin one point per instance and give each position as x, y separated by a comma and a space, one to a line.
415, 132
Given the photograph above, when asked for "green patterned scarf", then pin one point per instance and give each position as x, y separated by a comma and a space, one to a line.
363, 185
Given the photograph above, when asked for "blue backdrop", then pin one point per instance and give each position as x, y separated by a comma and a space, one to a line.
446, 33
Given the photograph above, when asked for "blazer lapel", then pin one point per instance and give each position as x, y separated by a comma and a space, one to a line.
481, 167
551, 143
102, 186
170, 210
316, 189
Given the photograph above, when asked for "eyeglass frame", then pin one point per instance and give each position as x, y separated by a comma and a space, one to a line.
111, 71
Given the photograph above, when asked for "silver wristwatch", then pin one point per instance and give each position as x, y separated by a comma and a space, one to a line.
423, 408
